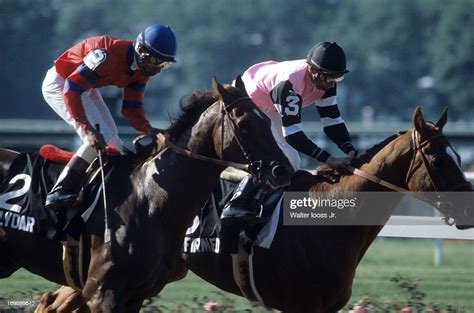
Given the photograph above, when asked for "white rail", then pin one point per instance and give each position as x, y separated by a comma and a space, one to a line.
423, 227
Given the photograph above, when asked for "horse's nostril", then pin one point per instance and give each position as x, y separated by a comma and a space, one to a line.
280, 171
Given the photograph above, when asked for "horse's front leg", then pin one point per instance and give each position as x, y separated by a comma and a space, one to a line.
105, 288
63, 300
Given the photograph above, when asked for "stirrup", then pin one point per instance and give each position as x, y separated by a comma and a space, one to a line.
242, 220
231, 216
55, 201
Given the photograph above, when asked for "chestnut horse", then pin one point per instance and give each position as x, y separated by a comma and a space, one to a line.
311, 269
152, 201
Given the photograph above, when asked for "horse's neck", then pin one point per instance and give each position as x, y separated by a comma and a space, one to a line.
182, 184
390, 164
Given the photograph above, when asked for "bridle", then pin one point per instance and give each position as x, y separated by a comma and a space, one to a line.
418, 148
440, 203
252, 166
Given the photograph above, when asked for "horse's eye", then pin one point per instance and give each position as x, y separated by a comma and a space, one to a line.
437, 162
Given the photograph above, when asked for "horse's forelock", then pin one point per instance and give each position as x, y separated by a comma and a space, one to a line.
433, 127
234, 91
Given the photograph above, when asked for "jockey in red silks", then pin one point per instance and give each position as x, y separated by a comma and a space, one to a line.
281, 90
70, 89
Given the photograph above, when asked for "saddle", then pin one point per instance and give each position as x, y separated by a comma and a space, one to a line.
207, 234
70, 221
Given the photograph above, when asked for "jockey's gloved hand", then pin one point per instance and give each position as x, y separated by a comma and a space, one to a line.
339, 164
95, 139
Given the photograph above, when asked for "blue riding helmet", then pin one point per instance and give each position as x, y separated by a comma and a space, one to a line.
159, 41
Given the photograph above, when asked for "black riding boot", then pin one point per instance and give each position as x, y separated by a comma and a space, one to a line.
67, 187
245, 205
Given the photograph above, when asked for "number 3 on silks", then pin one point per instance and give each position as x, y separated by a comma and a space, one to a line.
293, 105
95, 58
15, 193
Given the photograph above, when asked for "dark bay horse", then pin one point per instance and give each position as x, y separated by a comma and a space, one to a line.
311, 269
152, 201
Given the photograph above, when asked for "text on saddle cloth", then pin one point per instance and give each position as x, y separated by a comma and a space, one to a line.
205, 234
23, 193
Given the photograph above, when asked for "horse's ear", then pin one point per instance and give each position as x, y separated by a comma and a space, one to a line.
215, 84
220, 91
218, 88
442, 119
418, 120
239, 83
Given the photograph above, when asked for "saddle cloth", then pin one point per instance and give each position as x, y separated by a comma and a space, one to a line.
206, 234
23, 193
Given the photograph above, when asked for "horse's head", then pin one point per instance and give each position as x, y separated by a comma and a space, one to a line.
243, 134
436, 168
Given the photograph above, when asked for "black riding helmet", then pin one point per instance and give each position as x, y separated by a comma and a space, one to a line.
327, 58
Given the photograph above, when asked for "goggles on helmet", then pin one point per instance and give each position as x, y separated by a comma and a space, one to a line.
154, 62
151, 60
317, 73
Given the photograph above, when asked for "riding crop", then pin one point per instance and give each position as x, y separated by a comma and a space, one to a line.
101, 165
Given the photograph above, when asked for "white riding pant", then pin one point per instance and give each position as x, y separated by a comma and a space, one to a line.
94, 106
277, 130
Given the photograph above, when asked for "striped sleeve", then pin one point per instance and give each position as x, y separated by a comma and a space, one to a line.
288, 103
333, 124
132, 106
76, 83
133, 95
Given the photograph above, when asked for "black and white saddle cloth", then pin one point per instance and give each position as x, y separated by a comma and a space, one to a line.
207, 234
23, 193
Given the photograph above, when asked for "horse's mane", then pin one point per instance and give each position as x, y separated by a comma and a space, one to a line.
334, 176
190, 109
369, 153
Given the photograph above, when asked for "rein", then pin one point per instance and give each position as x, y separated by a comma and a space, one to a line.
190, 154
384, 183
